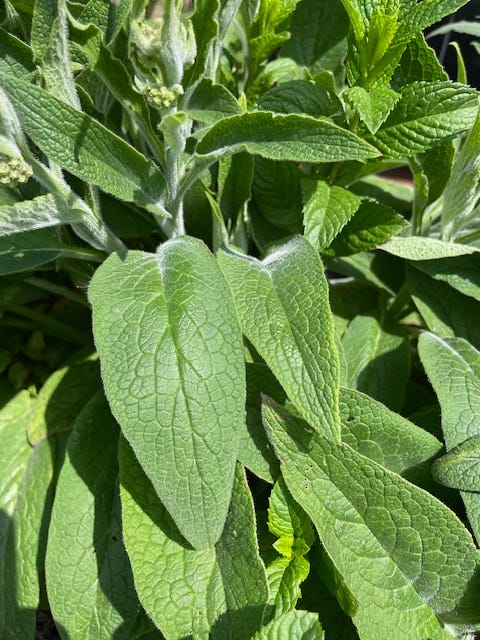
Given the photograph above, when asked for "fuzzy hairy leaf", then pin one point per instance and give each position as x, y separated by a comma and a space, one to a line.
282, 304
173, 369
285, 137
212, 593
405, 558
81, 145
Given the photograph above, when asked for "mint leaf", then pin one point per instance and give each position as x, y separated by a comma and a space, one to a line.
282, 304
426, 114
284, 137
371, 225
85, 548
213, 593
372, 107
387, 538
173, 370
327, 210
81, 145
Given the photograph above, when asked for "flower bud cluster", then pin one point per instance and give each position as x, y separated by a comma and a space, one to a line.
162, 97
14, 171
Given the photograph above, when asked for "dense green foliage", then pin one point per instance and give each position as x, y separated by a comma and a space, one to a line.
240, 361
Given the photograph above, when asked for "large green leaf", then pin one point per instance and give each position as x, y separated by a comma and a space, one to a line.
208, 594
173, 368
81, 145
45, 433
300, 96
460, 272
460, 468
378, 359
319, 35
14, 455
426, 114
283, 308
386, 437
85, 552
419, 248
453, 367
285, 137
406, 559
28, 250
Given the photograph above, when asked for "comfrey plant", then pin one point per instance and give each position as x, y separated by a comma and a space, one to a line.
272, 429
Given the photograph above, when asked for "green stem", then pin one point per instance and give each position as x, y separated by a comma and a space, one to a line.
57, 289
50, 325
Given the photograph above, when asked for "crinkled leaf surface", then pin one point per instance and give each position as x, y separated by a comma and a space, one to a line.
294, 625
285, 137
426, 113
85, 552
209, 594
300, 96
453, 367
386, 437
81, 145
460, 272
173, 368
282, 303
461, 467
419, 248
405, 558
327, 210
210, 102
38, 213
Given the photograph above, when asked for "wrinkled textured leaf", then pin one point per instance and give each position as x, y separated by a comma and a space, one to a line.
173, 370
327, 210
426, 114
294, 625
41, 212
86, 148
220, 589
85, 552
285, 137
403, 555
453, 367
282, 305
210, 102
300, 96
419, 248
386, 437
460, 468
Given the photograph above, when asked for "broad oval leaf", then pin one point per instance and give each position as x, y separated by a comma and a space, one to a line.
283, 308
420, 248
208, 594
453, 367
85, 553
406, 558
172, 361
285, 137
83, 146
